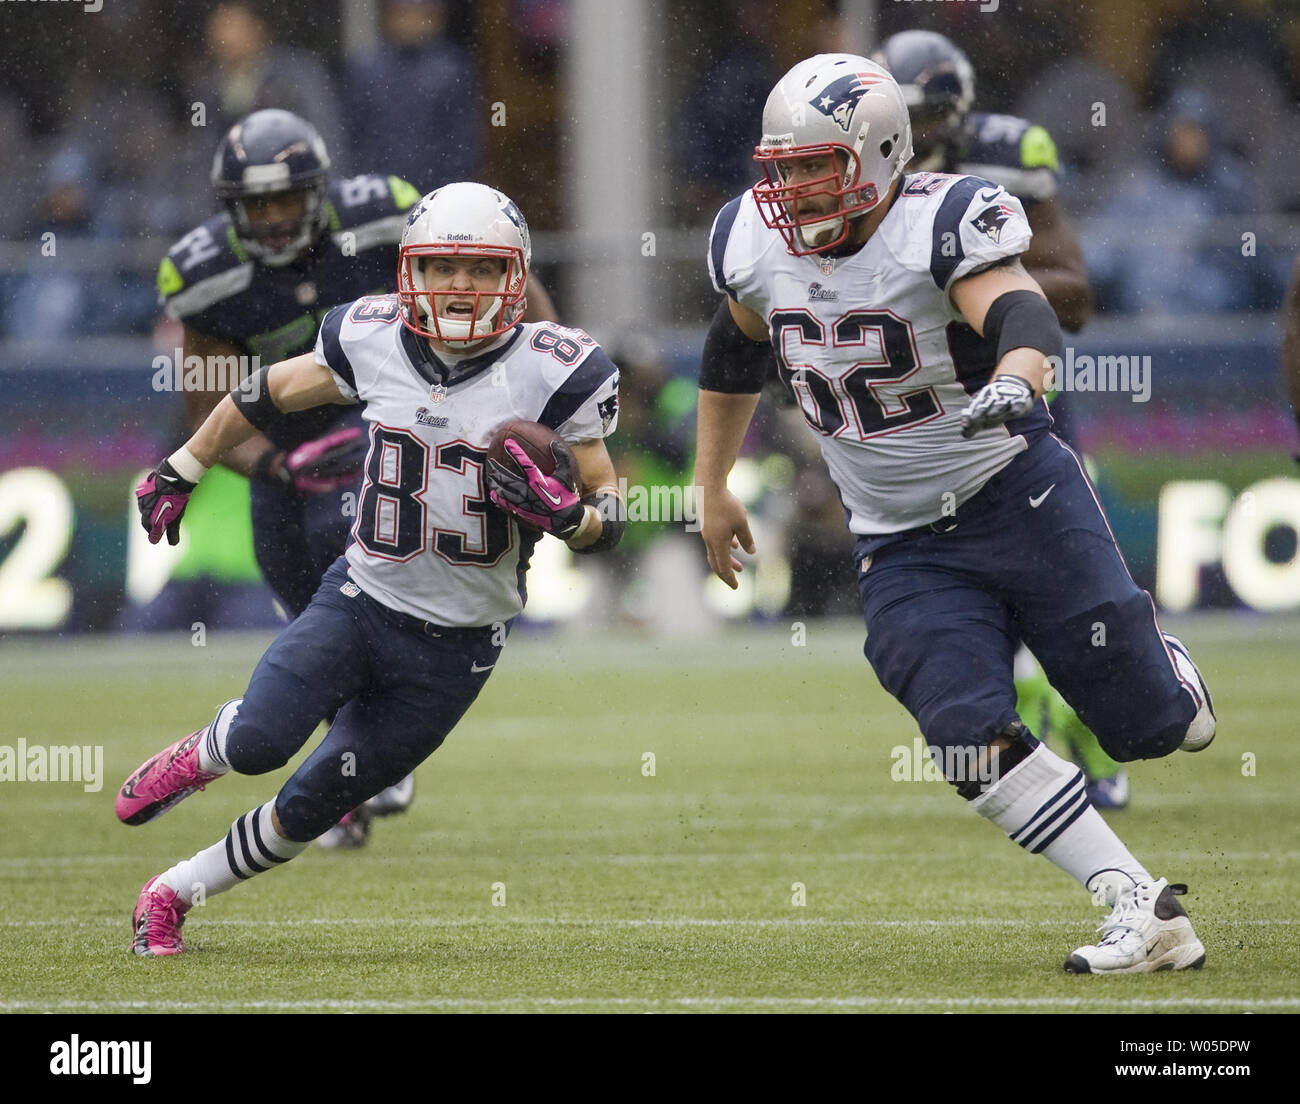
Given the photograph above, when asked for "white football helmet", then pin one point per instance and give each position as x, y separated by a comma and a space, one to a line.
837, 104
464, 220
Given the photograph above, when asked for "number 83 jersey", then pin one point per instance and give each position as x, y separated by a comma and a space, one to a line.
427, 540
879, 360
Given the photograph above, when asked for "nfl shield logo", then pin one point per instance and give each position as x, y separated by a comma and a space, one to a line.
437, 393
827, 266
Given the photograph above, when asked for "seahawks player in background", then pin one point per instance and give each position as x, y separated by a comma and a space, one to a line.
406, 627
938, 85
256, 281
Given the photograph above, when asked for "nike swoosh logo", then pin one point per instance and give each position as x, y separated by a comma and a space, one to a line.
162, 513
1034, 503
477, 670
987, 198
554, 500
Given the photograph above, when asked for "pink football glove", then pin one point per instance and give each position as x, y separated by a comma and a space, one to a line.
546, 502
329, 463
161, 497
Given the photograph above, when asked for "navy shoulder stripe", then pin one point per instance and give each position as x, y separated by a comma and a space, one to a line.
718, 243
585, 381
335, 357
946, 253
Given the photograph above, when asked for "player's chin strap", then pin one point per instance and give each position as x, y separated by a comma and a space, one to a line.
613, 520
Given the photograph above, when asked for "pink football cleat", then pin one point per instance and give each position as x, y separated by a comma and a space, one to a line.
156, 921
170, 776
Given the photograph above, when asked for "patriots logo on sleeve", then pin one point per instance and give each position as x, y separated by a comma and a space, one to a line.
607, 410
991, 220
838, 99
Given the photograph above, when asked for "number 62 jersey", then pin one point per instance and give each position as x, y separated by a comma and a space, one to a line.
427, 539
875, 353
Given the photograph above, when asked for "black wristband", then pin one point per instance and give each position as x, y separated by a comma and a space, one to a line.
733, 362
253, 398
1022, 320
613, 520
174, 478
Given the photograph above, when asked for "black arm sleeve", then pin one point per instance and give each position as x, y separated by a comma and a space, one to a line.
1022, 320
253, 398
732, 362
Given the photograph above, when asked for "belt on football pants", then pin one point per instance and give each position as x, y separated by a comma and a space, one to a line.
421, 627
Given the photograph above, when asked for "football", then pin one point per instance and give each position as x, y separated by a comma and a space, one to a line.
536, 440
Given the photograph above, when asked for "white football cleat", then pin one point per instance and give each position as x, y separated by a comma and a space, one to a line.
1147, 930
1200, 733
396, 798
348, 834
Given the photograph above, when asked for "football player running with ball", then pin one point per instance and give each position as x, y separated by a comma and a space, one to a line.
914, 342
407, 625
257, 281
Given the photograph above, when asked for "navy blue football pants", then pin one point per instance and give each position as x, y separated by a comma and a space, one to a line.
1031, 557
295, 538
399, 686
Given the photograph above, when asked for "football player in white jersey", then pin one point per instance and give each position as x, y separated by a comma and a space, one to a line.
407, 625
915, 344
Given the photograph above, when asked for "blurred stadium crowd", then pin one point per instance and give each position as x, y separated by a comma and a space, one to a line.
1203, 123
1173, 119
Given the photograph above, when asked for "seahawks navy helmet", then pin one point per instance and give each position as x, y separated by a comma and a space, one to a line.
266, 153
938, 86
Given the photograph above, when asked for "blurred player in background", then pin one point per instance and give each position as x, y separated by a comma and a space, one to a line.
915, 344
255, 281
405, 629
1291, 343
938, 85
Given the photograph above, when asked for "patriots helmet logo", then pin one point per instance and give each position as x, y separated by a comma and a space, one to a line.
417, 210
991, 220
839, 98
512, 212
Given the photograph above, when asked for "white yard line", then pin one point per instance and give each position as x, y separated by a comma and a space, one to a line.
668, 1003
650, 922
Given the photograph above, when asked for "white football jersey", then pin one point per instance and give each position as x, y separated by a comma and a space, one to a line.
427, 540
879, 360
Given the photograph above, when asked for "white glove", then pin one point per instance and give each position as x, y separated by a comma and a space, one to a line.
998, 401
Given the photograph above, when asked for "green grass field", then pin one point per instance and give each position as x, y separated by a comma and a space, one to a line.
632, 893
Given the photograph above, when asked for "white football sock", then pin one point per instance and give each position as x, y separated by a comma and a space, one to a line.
212, 748
1041, 803
250, 847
